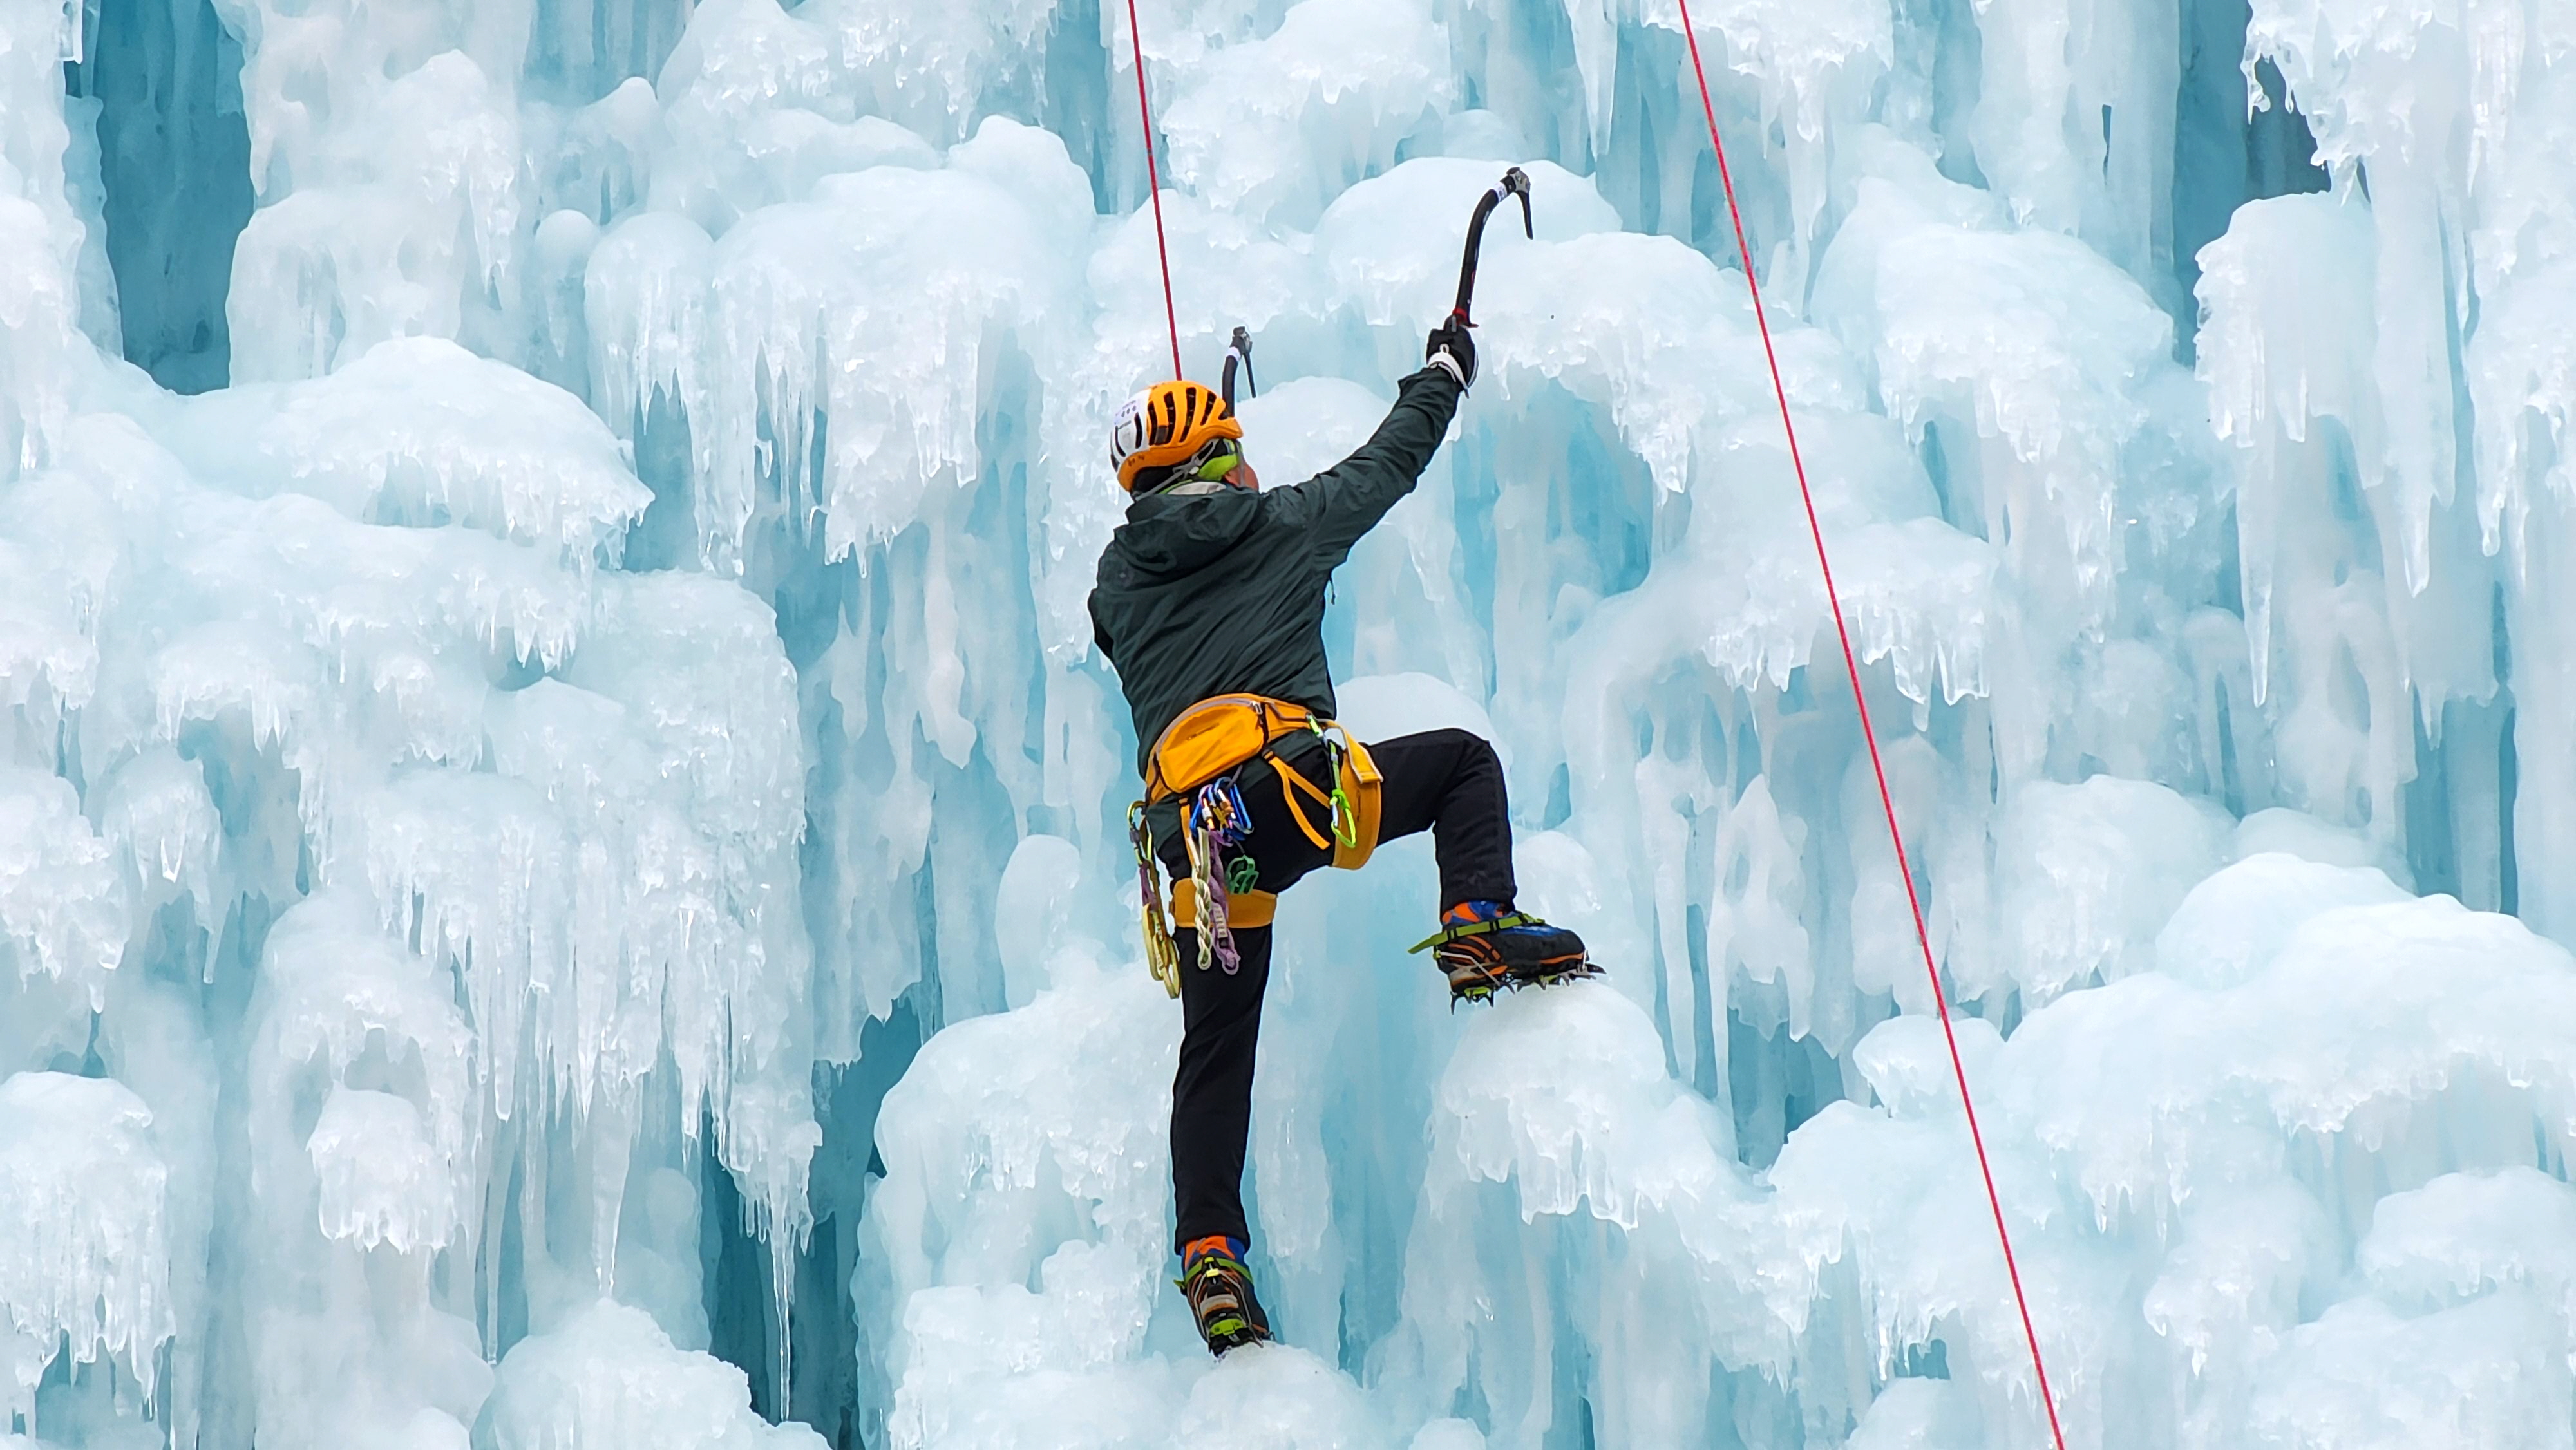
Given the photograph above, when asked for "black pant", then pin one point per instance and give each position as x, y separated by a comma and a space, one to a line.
1445, 781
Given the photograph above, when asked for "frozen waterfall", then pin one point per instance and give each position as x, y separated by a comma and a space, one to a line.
562, 872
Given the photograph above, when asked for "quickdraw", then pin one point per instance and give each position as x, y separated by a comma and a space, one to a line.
1162, 954
1214, 821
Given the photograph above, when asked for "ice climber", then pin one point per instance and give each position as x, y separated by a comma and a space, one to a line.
1210, 603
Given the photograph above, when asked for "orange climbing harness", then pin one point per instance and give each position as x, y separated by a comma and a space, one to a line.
1223, 734
1196, 760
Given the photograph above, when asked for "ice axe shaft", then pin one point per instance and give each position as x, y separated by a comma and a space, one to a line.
1515, 182
1239, 351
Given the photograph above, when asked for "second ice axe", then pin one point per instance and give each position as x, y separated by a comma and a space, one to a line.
1238, 352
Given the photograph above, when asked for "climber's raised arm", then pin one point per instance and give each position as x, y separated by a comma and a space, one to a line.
1345, 501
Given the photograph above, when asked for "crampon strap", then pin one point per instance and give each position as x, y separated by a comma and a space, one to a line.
1473, 928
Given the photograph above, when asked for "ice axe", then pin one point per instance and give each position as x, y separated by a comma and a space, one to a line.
1515, 182
1239, 351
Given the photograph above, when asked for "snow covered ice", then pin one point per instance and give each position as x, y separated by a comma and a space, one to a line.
561, 870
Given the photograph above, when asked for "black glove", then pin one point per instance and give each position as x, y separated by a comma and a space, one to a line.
1453, 348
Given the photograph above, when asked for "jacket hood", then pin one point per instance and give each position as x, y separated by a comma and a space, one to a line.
1167, 535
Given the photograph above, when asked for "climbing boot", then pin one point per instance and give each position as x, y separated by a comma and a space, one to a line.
1219, 1289
1485, 946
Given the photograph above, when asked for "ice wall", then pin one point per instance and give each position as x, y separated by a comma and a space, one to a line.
560, 872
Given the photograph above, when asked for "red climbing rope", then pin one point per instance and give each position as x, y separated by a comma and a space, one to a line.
1154, 186
1851, 664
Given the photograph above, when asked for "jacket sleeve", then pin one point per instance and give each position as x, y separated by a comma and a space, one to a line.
1337, 506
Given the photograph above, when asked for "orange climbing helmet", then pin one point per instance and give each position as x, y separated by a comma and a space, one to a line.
1169, 425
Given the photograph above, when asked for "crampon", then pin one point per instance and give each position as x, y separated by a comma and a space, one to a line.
1228, 1312
1506, 952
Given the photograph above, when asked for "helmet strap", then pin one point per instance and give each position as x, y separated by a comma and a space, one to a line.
1203, 474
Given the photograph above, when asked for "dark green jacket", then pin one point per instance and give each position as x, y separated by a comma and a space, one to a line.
1223, 593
